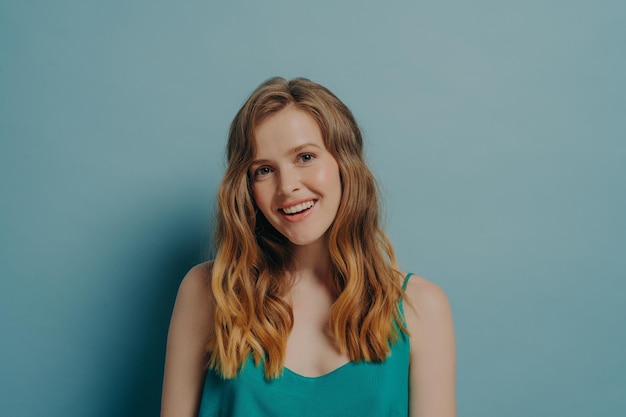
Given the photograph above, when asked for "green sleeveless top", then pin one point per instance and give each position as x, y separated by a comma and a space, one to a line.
364, 389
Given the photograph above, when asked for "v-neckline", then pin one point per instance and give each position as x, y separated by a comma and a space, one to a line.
328, 374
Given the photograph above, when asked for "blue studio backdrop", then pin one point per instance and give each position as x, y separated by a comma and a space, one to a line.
496, 129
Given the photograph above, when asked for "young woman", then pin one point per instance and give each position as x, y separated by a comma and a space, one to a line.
303, 311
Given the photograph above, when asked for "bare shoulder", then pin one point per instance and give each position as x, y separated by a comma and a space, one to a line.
198, 276
426, 299
191, 326
432, 367
428, 315
194, 307
196, 285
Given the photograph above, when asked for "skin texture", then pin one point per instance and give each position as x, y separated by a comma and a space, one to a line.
292, 166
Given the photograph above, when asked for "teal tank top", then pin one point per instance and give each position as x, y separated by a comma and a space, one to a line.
364, 389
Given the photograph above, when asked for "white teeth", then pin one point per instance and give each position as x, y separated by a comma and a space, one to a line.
299, 207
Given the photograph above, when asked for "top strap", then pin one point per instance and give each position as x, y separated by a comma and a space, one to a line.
406, 280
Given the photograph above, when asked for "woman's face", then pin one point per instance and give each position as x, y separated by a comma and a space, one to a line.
295, 180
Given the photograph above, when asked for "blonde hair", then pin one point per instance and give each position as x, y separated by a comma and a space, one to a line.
249, 271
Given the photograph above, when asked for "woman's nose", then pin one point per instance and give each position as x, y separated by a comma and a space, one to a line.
288, 181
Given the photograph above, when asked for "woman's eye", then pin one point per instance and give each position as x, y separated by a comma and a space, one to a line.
262, 171
306, 157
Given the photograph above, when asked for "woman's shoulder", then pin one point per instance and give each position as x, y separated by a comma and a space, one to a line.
192, 319
197, 279
426, 302
424, 292
191, 326
433, 349
194, 293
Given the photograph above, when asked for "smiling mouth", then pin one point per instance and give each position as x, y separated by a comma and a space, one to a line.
298, 208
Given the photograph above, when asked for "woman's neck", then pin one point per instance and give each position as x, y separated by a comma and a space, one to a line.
312, 263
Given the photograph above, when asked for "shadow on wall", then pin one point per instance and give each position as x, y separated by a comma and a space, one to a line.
148, 371
182, 242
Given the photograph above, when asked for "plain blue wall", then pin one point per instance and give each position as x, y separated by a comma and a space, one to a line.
497, 131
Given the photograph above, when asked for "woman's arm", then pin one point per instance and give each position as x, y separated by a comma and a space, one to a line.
433, 362
190, 328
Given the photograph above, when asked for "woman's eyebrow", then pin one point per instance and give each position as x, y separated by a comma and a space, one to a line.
259, 162
304, 145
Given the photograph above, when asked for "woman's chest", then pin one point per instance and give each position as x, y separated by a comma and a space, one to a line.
311, 349
363, 389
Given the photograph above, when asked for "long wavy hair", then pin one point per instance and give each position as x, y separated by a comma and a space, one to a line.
250, 270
